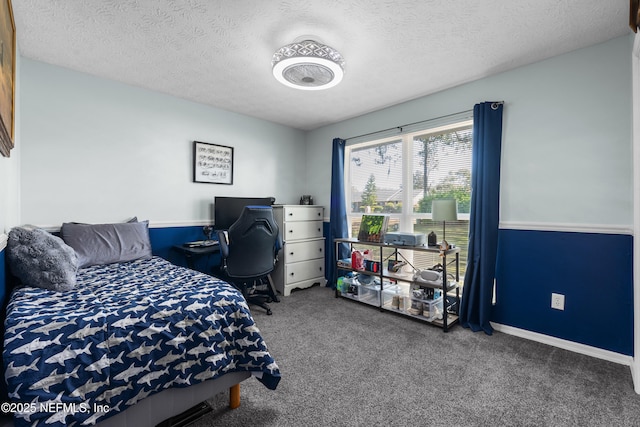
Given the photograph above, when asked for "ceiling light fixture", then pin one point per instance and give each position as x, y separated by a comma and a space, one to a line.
308, 65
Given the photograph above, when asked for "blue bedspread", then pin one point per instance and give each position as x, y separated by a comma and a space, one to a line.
129, 330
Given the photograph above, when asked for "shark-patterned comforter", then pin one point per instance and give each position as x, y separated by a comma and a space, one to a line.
127, 331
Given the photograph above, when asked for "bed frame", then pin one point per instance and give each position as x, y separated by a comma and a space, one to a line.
164, 407
160, 407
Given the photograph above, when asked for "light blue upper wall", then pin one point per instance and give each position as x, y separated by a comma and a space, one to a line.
9, 170
566, 138
95, 150
10, 184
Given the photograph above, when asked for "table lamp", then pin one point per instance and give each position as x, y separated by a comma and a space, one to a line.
444, 210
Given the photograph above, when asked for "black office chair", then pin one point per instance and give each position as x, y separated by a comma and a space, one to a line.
249, 254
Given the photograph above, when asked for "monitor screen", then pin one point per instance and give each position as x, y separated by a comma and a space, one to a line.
226, 210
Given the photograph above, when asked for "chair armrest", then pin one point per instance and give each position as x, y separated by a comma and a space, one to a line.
224, 245
278, 244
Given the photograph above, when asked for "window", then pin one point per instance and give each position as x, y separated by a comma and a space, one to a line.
402, 174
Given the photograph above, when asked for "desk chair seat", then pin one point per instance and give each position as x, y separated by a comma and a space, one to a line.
249, 254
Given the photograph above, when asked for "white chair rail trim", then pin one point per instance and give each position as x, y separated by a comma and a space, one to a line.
568, 227
152, 224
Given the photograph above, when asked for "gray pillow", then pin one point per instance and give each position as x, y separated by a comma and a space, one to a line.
39, 258
97, 244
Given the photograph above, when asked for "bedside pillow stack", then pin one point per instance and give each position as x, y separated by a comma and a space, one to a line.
38, 258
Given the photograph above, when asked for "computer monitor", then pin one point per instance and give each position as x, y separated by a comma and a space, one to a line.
226, 210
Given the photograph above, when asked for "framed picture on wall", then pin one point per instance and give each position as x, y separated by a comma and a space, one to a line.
7, 76
212, 163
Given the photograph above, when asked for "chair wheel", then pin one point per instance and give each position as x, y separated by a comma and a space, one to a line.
269, 313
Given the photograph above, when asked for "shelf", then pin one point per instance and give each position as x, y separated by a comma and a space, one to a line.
366, 294
428, 309
452, 319
405, 277
451, 286
395, 292
431, 249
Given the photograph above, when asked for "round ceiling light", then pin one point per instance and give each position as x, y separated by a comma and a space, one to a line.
308, 65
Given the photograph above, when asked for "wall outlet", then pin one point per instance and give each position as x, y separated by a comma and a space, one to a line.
557, 301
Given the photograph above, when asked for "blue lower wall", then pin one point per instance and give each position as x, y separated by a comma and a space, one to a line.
163, 240
593, 271
3, 299
3, 279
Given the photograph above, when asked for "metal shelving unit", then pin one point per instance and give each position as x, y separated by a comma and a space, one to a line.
376, 295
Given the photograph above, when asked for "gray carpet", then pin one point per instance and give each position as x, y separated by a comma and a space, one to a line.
347, 364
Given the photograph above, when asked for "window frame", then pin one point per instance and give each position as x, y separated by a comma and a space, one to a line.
407, 217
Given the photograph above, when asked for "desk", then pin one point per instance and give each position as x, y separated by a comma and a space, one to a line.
193, 252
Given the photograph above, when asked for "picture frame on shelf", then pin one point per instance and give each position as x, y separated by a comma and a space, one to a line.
212, 163
373, 228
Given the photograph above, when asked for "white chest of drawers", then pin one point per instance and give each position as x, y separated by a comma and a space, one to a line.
301, 260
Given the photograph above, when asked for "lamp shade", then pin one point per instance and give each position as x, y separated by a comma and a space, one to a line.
444, 210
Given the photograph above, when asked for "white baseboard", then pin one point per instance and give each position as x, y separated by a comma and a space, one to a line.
636, 377
566, 345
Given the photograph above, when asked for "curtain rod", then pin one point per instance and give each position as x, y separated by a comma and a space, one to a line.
494, 105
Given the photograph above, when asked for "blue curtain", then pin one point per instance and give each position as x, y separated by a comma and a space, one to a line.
475, 307
337, 212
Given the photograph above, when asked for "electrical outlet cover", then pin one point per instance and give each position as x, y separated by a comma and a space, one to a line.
557, 301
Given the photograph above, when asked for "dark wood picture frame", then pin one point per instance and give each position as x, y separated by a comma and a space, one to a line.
212, 163
7, 76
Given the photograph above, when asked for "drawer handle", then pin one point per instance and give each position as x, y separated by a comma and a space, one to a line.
319, 229
320, 268
320, 249
290, 213
318, 213
290, 253
290, 231
291, 274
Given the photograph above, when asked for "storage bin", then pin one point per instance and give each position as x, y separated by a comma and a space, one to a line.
430, 294
394, 298
432, 309
350, 287
369, 294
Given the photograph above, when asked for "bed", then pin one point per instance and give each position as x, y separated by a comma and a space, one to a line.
123, 336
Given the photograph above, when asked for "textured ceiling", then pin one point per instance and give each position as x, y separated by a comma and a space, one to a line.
218, 52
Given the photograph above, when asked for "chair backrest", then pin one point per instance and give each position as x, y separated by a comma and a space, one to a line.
252, 243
